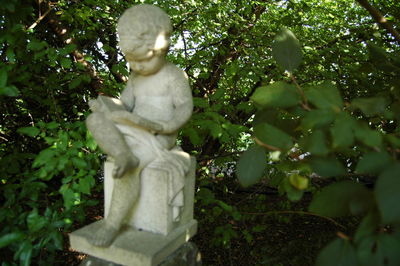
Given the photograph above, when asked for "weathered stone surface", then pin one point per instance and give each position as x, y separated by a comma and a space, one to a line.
132, 247
187, 255
152, 212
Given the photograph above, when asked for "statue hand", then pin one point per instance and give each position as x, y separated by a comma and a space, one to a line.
117, 116
151, 125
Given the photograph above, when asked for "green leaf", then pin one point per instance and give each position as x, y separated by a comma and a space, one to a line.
66, 63
43, 157
206, 196
68, 196
224, 206
339, 252
324, 96
85, 184
387, 194
370, 106
35, 221
373, 162
315, 143
10, 238
10, 91
68, 49
369, 137
317, 118
341, 199
29, 131
368, 225
379, 250
74, 83
200, 102
298, 181
390, 246
58, 240
327, 167
380, 59
273, 137
251, 165
277, 118
25, 253
286, 50
79, 162
278, 94
293, 193
36, 45
342, 131
52, 125
3, 78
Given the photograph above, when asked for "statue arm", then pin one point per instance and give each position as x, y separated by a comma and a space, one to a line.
182, 114
182, 101
132, 119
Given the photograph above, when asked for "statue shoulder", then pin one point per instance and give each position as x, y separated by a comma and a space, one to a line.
174, 71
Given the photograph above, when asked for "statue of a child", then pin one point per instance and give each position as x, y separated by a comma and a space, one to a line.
157, 102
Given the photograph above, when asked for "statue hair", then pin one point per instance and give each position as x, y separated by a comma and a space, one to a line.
141, 25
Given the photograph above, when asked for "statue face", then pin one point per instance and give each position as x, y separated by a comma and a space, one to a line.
147, 64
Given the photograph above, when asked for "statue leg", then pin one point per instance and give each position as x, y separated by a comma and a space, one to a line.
124, 195
112, 142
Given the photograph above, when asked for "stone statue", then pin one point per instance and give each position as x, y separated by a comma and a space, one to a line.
139, 130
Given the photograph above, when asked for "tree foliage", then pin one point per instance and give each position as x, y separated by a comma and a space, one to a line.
303, 90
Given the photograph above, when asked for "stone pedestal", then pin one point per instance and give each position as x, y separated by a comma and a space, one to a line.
133, 247
150, 235
187, 255
152, 211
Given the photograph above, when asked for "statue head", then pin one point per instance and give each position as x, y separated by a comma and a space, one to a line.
144, 31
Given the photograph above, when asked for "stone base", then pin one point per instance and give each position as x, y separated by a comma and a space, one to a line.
187, 255
132, 247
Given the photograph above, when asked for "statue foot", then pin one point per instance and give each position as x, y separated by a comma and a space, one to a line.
123, 164
104, 236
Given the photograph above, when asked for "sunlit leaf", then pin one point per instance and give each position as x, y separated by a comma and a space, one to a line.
298, 181
286, 50
278, 94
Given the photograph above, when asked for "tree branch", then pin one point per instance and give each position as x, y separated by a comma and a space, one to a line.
40, 18
380, 19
